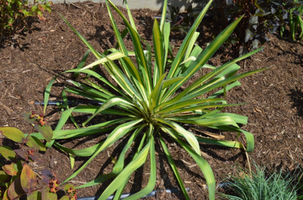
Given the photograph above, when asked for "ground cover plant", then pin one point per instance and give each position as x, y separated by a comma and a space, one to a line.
261, 17
17, 178
149, 104
14, 15
263, 185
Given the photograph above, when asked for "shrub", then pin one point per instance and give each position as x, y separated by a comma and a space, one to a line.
262, 16
144, 103
13, 15
17, 179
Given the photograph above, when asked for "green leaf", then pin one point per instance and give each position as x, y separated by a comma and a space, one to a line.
47, 93
4, 177
34, 142
191, 139
35, 195
46, 131
97, 55
65, 198
113, 137
79, 152
110, 103
72, 161
7, 152
204, 166
158, 49
12, 133
224, 143
186, 42
173, 167
81, 64
47, 195
130, 168
28, 179
112, 57
10, 169
152, 177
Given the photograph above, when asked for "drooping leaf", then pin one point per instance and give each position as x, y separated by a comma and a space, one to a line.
46, 131
174, 168
47, 195
35, 195
15, 190
10, 169
47, 93
65, 198
7, 152
28, 179
22, 153
4, 177
12, 133
47, 175
34, 142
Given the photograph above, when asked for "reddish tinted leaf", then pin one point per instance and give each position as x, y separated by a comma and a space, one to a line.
35, 195
10, 169
12, 133
46, 131
46, 195
35, 159
7, 152
28, 179
21, 153
35, 143
47, 175
3, 177
5, 196
15, 189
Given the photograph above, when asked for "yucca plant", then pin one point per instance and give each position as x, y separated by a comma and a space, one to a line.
149, 102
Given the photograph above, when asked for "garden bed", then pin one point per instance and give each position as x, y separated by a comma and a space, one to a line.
274, 98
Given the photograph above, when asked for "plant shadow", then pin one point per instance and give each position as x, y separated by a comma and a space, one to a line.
296, 96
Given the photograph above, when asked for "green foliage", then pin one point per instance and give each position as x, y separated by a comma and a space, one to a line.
182, 21
286, 16
263, 186
143, 101
17, 179
262, 16
13, 14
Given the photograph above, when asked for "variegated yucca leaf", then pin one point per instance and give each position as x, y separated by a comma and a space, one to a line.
145, 99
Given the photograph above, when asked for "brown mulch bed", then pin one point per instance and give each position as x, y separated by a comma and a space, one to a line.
274, 99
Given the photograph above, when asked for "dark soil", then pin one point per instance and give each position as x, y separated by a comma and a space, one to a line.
274, 99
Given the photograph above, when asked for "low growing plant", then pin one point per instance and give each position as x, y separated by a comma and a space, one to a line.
282, 15
144, 102
263, 186
13, 14
17, 179
262, 16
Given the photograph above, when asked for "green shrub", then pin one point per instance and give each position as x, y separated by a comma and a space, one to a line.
262, 16
13, 15
143, 102
263, 186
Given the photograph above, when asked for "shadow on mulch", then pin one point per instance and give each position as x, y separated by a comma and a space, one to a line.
296, 96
